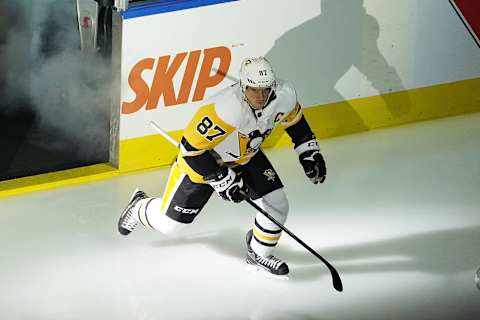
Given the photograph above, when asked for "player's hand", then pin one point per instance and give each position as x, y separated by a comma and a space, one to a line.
227, 184
312, 161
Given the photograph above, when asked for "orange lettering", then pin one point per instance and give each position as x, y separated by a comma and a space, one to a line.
138, 86
204, 79
187, 81
163, 81
165, 72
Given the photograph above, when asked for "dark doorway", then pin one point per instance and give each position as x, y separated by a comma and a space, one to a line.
55, 99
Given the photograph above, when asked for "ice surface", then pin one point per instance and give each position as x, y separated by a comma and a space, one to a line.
398, 216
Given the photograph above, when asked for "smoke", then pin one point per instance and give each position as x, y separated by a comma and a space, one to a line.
67, 89
14, 55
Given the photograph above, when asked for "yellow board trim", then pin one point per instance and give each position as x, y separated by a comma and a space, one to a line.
147, 152
57, 179
329, 120
388, 110
334, 119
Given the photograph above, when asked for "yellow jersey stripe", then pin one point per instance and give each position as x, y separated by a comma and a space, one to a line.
186, 169
293, 117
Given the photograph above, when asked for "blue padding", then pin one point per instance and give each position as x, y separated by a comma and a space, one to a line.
162, 6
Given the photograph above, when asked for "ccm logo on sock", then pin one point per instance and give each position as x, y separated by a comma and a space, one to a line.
186, 210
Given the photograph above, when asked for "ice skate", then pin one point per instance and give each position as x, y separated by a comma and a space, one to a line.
128, 219
270, 265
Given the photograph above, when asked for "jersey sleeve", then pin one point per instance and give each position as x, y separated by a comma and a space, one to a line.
202, 134
206, 129
290, 105
293, 117
300, 132
294, 122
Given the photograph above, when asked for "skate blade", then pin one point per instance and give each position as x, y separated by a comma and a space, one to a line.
265, 273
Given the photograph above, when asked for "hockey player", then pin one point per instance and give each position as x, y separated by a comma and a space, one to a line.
220, 151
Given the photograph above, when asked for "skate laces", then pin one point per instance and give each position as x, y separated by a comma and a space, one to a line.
128, 220
270, 261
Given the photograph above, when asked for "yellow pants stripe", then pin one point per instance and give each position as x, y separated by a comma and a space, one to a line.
175, 178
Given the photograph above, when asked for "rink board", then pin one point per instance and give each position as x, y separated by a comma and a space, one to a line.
356, 115
411, 63
57, 179
382, 67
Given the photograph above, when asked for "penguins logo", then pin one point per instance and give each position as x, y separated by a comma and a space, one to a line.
256, 139
270, 174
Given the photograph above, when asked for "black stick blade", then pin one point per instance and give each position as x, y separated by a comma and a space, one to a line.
337, 282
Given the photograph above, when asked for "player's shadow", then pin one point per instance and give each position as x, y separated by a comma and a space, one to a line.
229, 241
262, 313
438, 252
318, 53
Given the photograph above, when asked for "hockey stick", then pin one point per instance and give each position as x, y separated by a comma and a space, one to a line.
337, 282
164, 134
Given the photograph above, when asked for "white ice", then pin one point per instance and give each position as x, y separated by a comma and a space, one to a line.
398, 216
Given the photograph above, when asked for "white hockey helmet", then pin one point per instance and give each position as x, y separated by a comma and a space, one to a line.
257, 73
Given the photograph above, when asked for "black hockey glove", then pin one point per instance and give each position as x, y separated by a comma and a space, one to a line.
312, 161
227, 184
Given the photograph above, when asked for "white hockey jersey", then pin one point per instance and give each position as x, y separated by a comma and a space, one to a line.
228, 126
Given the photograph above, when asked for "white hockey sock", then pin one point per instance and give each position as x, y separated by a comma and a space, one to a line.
151, 215
266, 233
261, 248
